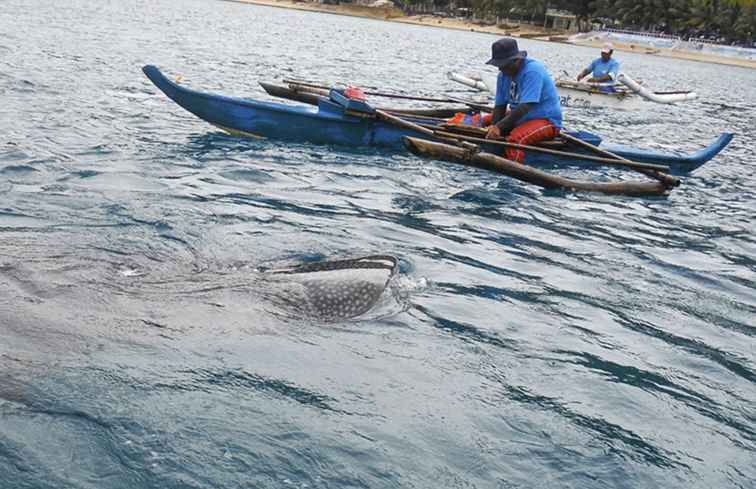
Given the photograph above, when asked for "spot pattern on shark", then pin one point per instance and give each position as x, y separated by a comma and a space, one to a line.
339, 289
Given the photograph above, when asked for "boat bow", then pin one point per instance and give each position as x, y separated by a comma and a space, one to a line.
679, 163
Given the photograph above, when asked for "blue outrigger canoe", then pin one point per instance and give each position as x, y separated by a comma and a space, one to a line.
332, 123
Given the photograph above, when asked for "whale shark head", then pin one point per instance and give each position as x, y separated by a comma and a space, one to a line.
337, 290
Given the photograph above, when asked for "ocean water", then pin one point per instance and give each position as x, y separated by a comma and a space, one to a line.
529, 338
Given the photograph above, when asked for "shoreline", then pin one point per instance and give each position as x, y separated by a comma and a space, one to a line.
393, 14
670, 53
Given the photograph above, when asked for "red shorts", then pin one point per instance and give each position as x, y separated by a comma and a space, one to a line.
529, 133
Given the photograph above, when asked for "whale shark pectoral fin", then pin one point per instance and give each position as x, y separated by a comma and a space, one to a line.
339, 289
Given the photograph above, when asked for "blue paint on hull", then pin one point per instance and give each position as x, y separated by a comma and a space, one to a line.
329, 124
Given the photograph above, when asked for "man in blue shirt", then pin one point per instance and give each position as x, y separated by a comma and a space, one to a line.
603, 69
527, 107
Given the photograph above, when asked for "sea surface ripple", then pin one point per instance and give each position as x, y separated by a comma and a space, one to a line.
530, 339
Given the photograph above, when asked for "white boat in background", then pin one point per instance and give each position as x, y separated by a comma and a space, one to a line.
482, 83
628, 94
591, 95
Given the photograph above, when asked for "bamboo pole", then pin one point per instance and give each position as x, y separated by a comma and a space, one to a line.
294, 83
313, 98
460, 139
306, 89
668, 180
470, 154
526, 173
424, 130
470, 103
565, 154
654, 171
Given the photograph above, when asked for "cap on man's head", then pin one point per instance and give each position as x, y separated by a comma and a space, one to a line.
504, 51
608, 48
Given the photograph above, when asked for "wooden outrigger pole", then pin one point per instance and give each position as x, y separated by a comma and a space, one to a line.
466, 153
525, 173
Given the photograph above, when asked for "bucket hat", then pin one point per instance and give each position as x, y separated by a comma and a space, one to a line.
504, 51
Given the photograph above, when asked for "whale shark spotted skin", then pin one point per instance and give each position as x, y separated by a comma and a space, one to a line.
339, 289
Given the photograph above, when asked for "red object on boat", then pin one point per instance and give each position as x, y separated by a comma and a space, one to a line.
476, 120
355, 93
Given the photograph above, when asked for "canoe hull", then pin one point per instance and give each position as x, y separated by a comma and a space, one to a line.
329, 123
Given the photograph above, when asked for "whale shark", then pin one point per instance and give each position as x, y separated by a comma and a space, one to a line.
336, 290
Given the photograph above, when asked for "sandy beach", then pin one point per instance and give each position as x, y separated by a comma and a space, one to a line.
394, 14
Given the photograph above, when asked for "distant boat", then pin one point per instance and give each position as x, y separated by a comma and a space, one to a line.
628, 94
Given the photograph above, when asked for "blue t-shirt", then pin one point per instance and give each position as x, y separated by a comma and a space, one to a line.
600, 68
531, 85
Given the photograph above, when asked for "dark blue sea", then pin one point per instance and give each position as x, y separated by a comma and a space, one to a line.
530, 338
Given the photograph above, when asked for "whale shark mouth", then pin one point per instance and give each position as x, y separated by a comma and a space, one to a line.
339, 289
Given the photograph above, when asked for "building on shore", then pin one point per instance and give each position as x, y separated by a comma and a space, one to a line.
562, 20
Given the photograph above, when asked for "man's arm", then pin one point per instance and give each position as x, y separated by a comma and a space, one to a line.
509, 122
585, 72
505, 125
498, 113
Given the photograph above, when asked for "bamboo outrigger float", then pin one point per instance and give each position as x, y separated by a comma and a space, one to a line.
525, 173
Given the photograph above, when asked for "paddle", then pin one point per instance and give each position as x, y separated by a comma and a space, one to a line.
662, 177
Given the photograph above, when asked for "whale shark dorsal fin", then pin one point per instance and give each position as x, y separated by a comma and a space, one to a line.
386, 262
